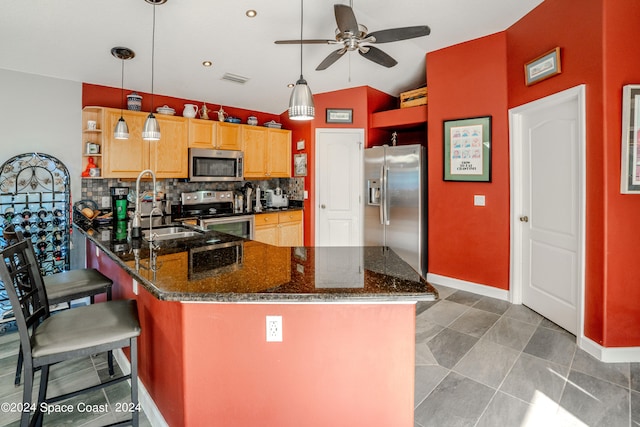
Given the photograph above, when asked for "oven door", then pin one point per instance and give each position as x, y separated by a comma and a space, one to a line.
241, 226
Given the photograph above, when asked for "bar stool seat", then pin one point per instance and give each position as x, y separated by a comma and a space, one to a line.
74, 284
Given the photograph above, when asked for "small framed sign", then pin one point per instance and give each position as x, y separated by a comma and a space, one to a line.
467, 149
300, 164
543, 67
339, 115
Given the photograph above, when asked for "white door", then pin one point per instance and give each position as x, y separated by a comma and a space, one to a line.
338, 187
548, 145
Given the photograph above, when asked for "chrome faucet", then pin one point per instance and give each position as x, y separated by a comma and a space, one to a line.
136, 229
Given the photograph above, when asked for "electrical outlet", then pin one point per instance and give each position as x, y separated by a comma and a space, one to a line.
106, 201
274, 328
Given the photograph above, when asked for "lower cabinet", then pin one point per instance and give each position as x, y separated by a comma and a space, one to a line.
280, 228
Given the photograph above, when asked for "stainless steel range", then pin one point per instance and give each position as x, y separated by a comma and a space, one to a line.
213, 210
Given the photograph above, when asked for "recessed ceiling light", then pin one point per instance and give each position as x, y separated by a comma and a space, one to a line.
290, 85
251, 13
207, 63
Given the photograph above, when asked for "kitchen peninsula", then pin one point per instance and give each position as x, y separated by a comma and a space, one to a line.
348, 328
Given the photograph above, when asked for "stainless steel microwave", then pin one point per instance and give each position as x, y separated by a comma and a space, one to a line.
207, 165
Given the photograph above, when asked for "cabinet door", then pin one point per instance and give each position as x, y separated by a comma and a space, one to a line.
290, 234
124, 158
267, 234
255, 151
228, 136
201, 133
279, 157
169, 154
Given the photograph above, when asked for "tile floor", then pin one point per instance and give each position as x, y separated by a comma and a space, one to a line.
479, 362
485, 362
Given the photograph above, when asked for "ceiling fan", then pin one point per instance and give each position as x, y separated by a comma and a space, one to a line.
353, 36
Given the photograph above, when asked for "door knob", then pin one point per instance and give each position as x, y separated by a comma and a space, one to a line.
322, 206
524, 219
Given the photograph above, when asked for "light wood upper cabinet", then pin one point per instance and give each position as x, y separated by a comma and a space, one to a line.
218, 135
279, 156
228, 136
127, 158
169, 155
267, 152
124, 158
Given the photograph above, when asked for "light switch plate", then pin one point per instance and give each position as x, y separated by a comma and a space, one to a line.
478, 200
300, 144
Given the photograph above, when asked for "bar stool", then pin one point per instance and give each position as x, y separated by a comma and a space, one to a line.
65, 287
78, 332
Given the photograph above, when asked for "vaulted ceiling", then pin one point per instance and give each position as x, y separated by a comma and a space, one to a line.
72, 40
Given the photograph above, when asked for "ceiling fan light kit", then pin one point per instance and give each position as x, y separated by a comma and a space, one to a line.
151, 130
356, 37
301, 106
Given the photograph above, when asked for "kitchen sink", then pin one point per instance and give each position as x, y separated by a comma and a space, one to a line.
168, 233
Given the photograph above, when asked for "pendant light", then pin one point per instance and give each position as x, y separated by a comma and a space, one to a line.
301, 102
151, 130
122, 53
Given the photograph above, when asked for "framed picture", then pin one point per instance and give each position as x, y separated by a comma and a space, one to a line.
339, 115
543, 67
300, 164
630, 165
467, 149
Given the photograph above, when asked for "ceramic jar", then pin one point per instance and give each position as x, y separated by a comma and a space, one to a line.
134, 102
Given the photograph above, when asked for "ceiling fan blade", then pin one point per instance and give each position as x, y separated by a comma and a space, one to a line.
396, 34
329, 60
379, 57
346, 19
310, 41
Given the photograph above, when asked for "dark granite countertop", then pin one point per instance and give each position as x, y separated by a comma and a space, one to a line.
220, 267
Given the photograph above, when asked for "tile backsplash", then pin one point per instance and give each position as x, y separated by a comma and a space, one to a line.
96, 189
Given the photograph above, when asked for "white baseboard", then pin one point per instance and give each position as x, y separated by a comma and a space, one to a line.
609, 354
151, 411
463, 285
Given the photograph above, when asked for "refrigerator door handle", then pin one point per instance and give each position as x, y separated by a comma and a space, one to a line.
385, 194
381, 204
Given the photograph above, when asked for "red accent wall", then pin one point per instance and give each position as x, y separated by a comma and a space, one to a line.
467, 242
105, 96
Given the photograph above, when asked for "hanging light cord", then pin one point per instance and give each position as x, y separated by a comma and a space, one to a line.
153, 50
122, 88
301, 24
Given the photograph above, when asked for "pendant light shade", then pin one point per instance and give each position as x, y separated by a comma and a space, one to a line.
122, 130
123, 53
151, 130
301, 102
301, 105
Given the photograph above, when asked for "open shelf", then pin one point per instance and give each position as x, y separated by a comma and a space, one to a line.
401, 118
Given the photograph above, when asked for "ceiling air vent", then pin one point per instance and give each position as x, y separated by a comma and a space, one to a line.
235, 78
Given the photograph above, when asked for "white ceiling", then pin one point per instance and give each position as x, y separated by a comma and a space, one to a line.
72, 40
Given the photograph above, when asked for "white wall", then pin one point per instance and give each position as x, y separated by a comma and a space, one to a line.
44, 115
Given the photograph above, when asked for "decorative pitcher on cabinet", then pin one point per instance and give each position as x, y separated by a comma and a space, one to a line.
190, 111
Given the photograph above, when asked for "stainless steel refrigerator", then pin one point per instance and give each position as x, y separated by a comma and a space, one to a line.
395, 210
